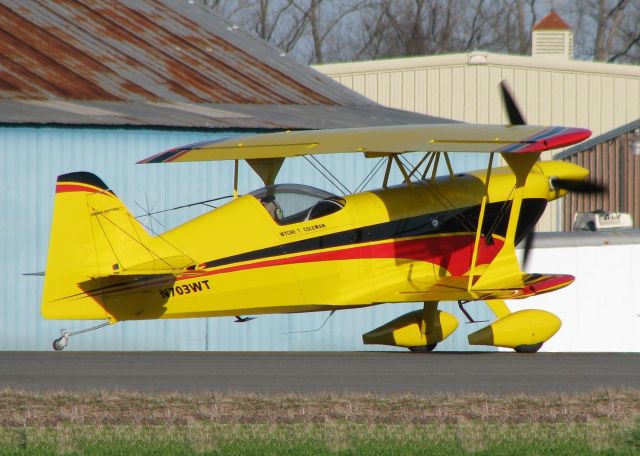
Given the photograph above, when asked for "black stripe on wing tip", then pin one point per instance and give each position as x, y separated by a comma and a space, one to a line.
161, 157
83, 177
168, 155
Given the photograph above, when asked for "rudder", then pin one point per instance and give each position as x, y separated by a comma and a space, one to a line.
93, 235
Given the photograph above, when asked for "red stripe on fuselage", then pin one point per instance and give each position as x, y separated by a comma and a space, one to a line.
450, 252
62, 188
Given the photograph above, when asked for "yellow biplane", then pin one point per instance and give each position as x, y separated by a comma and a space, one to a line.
288, 248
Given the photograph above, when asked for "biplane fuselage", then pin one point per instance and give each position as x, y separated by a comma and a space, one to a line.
400, 244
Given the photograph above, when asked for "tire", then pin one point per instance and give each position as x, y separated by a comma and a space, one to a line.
57, 345
423, 348
528, 348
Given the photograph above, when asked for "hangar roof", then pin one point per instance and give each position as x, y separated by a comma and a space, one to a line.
608, 136
480, 59
162, 63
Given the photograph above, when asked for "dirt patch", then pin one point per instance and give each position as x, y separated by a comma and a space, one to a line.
21, 408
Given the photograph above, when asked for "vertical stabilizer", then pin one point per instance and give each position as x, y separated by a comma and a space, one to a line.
93, 235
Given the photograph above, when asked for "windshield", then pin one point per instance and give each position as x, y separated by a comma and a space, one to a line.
291, 203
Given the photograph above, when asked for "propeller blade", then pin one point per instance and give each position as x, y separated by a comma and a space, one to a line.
514, 113
584, 187
528, 245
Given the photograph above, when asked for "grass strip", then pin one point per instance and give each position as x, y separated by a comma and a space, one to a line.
603, 422
593, 438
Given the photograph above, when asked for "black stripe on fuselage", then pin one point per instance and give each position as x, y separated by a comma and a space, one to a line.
445, 222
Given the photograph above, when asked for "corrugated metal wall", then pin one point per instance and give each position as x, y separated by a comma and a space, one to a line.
33, 157
612, 164
599, 97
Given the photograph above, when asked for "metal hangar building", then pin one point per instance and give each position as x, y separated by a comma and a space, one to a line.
97, 86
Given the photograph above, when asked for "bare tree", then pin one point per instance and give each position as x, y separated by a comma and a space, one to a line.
302, 28
324, 20
317, 31
608, 22
606, 30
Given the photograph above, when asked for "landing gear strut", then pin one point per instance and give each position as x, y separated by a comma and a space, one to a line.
61, 342
467, 314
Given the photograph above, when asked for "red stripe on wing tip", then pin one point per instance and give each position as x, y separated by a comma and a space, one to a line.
548, 284
566, 137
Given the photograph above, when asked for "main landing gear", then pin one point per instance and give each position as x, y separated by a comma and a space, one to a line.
61, 342
423, 348
528, 348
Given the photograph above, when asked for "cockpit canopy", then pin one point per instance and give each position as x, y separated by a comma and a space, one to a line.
293, 203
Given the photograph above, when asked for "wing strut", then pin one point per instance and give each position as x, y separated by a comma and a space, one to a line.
483, 205
235, 179
387, 171
403, 170
504, 271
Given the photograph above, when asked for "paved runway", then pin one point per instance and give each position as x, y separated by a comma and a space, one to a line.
373, 372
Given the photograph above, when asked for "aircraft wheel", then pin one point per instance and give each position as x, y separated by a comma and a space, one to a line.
59, 344
423, 348
528, 348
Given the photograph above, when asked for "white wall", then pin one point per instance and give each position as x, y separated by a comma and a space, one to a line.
600, 311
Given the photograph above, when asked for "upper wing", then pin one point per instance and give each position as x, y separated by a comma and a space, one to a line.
394, 139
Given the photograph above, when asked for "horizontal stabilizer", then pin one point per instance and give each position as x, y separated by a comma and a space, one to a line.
176, 265
152, 272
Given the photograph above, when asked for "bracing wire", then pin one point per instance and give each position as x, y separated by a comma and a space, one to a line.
136, 240
346, 189
335, 183
502, 212
204, 203
149, 214
446, 204
371, 175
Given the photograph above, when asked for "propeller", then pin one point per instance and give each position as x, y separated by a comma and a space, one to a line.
514, 113
582, 186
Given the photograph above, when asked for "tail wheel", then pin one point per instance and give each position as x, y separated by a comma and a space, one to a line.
59, 344
528, 348
423, 348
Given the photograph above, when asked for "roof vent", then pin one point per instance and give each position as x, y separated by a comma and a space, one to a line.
478, 58
552, 37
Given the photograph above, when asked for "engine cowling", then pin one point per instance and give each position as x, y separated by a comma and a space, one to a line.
411, 330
